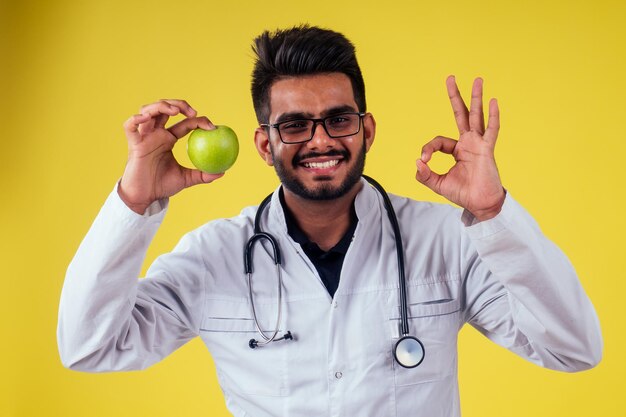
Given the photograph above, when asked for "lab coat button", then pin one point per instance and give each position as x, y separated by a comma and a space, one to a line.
335, 304
338, 375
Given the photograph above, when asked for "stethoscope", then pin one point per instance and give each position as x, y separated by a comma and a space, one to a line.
408, 350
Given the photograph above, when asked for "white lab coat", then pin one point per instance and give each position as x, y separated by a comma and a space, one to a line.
502, 276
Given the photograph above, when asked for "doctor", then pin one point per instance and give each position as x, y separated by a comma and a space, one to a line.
487, 265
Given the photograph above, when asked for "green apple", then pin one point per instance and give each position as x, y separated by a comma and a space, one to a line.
213, 151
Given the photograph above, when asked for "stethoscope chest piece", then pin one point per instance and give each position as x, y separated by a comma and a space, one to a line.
409, 351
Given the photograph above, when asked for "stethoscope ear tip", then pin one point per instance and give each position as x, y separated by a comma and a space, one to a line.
253, 343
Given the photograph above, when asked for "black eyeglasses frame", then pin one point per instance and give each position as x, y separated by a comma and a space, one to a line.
315, 123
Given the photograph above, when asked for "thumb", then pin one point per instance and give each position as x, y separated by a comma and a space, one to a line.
426, 176
195, 177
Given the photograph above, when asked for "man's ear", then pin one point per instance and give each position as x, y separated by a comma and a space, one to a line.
369, 129
262, 142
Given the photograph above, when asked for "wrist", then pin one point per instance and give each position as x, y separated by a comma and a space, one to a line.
139, 208
492, 211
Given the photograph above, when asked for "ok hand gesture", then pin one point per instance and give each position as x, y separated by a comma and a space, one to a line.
473, 182
152, 172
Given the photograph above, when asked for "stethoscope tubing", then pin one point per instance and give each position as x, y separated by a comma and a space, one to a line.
404, 320
247, 260
404, 347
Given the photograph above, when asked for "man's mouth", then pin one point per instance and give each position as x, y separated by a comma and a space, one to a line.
321, 165
316, 160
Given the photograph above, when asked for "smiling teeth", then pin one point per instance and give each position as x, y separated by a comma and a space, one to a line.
326, 164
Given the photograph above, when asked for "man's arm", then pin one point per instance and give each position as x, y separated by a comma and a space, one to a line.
105, 322
108, 319
521, 291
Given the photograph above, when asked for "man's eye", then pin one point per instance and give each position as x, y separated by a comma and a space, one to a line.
294, 125
339, 120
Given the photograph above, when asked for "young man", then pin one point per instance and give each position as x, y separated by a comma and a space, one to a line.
340, 298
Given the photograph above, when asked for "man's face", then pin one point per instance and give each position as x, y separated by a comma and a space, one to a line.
323, 168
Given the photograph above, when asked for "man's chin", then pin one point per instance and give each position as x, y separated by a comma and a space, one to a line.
323, 178
321, 191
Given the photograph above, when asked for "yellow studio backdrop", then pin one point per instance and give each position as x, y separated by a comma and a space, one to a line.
73, 71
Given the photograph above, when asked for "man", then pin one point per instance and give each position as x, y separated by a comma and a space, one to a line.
488, 266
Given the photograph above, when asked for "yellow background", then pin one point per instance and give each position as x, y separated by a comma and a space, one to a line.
73, 71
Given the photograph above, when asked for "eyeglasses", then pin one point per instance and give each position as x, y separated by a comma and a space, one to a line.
302, 130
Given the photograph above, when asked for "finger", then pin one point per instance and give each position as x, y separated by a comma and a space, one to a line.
183, 127
438, 144
476, 116
146, 127
458, 105
131, 126
182, 105
195, 177
427, 177
158, 108
159, 112
493, 124
160, 121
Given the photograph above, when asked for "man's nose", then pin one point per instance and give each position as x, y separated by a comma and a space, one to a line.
320, 138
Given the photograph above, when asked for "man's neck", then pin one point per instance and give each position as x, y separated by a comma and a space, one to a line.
323, 221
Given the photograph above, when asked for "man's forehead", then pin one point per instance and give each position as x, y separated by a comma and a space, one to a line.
311, 94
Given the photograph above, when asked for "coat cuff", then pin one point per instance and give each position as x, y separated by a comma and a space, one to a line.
480, 229
154, 213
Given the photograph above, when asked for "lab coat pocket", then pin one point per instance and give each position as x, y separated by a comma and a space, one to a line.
227, 329
435, 322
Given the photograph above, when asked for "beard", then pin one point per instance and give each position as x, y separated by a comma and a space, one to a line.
324, 190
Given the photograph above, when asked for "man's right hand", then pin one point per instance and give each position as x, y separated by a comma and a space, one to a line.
152, 172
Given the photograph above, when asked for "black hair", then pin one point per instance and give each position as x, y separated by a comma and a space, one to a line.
301, 50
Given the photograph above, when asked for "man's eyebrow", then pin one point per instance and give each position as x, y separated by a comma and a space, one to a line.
345, 108
293, 116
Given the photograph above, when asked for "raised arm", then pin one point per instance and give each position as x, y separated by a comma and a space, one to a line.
108, 319
520, 290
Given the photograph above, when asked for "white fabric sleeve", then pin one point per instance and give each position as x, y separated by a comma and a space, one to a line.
108, 319
523, 293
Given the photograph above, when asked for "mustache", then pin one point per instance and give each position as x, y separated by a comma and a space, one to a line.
299, 158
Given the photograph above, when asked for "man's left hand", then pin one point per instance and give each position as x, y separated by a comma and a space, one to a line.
473, 182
